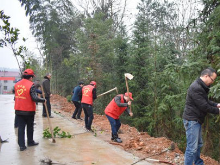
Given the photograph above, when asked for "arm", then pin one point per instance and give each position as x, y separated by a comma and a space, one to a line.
80, 94
118, 102
34, 96
203, 104
38, 91
94, 94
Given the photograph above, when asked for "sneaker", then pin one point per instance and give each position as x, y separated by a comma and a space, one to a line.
73, 117
23, 148
33, 143
89, 130
51, 117
118, 140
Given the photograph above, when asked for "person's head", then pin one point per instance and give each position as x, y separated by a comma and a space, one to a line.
128, 96
93, 83
208, 76
48, 75
28, 74
81, 83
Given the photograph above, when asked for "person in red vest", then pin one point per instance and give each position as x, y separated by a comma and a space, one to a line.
115, 108
25, 107
88, 95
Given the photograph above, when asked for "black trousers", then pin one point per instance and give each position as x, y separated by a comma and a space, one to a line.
88, 111
48, 107
23, 121
78, 109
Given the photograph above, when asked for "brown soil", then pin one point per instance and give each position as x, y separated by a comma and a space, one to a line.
138, 143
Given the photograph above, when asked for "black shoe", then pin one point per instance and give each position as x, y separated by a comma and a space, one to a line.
118, 140
33, 143
73, 117
23, 148
44, 115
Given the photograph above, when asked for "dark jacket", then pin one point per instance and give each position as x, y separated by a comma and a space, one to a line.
76, 92
46, 86
197, 103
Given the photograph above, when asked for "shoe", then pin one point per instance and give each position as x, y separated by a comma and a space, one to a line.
118, 140
89, 130
33, 143
44, 115
79, 119
51, 117
23, 148
73, 117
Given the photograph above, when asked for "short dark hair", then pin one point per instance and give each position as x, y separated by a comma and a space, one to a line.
208, 71
81, 83
27, 76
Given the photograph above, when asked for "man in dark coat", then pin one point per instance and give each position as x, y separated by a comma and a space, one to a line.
46, 89
77, 101
196, 108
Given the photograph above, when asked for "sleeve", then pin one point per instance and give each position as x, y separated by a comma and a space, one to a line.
46, 86
118, 102
203, 104
38, 91
94, 94
80, 94
34, 96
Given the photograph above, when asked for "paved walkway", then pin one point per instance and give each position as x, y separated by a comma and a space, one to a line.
82, 149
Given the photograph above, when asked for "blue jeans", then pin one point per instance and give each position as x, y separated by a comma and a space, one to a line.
115, 124
194, 142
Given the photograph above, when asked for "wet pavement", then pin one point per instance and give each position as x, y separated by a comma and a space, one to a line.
82, 149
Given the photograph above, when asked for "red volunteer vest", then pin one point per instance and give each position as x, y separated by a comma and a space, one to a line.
113, 110
87, 96
23, 101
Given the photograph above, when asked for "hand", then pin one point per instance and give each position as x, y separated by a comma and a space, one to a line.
50, 95
131, 114
218, 105
129, 102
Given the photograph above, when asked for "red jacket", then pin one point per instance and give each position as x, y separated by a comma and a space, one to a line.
113, 110
23, 101
87, 96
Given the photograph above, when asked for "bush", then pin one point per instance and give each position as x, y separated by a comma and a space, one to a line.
69, 98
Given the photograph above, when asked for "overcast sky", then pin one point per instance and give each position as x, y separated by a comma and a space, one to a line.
19, 20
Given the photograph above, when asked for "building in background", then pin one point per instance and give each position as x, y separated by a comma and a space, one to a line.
8, 78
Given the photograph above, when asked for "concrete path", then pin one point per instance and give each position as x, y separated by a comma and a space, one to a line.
82, 149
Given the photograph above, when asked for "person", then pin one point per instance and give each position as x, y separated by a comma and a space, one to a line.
25, 108
46, 89
37, 88
196, 108
114, 109
87, 96
76, 101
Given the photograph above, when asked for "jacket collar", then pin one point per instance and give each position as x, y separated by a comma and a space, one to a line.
203, 85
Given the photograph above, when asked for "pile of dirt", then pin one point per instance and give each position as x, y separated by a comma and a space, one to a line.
138, 143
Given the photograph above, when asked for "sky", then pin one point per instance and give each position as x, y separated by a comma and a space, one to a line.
19, 20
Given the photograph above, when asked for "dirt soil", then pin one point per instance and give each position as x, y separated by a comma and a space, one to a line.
138, 143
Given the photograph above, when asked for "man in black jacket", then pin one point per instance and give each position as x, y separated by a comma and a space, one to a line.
196, 108
46, 89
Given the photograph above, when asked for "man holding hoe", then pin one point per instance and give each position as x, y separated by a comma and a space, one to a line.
113, 111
